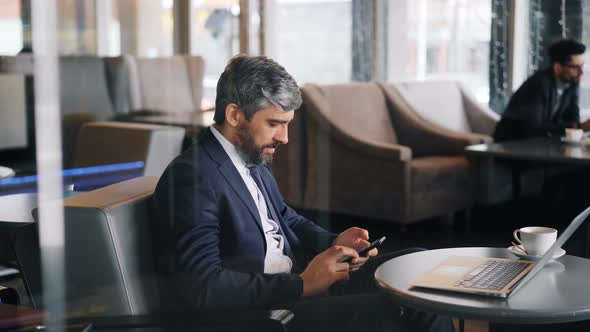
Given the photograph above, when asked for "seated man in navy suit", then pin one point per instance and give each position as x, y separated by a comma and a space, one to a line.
231, 240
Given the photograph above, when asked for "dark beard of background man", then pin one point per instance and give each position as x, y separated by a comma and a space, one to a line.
251, 152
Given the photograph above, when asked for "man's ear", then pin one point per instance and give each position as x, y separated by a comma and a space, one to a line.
557, 68
233, 115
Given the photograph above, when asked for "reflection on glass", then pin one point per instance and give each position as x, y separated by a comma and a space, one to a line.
11, 29
214, 36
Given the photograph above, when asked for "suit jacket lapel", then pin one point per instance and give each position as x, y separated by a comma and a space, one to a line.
274, 206
229, 171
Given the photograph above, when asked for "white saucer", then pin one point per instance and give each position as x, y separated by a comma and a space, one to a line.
574, 142
516, 252
6, 172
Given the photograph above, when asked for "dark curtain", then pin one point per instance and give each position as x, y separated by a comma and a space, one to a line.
499, 54
25, 16
551, 20
362, 31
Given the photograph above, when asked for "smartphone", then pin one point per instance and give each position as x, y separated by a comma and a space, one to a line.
364, 252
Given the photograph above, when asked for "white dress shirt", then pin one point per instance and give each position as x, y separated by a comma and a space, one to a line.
275, 260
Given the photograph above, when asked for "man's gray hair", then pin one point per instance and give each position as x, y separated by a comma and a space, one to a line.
254, 83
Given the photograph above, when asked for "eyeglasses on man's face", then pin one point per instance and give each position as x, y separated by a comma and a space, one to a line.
574, 66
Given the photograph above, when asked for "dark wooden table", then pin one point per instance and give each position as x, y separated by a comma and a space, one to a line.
536, 153
547, 150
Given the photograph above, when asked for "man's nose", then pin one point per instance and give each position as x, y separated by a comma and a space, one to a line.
282, 135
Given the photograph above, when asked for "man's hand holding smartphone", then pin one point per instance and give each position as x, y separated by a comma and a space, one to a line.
365, 252
357, 239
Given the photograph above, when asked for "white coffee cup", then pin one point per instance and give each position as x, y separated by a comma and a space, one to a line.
574, 134
536, 240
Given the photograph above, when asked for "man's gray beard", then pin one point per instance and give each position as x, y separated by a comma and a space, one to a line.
248, 150
250, 159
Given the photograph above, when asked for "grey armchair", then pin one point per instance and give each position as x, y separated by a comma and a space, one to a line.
168, 84
367, 158
111, 275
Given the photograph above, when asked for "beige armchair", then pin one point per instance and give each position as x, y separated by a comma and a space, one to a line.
368, 159
445, 103
449, 105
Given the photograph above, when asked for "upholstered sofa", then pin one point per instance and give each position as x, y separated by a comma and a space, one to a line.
106, 88
445, 103
450, 105
365, 157
168, 84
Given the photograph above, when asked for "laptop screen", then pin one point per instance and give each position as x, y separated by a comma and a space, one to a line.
565, 235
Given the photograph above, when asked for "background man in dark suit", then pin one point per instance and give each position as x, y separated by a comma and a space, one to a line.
547, 102
231, 240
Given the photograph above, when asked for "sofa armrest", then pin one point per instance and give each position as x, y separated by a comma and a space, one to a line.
380, 150
383, 150
482, 119
423, 137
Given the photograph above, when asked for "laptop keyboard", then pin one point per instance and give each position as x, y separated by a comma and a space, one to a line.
492, 275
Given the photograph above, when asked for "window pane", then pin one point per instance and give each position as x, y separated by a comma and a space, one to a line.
215, 36
314, 39
443, 39
146, 28
76, 26
11, 30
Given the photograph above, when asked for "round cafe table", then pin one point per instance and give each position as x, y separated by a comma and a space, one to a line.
559, 293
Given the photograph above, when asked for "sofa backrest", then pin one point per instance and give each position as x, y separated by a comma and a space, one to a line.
170, 84
84, 86
439, 102
117, 76
103, 143
359, 109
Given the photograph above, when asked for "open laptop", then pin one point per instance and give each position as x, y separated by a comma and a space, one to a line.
491, 276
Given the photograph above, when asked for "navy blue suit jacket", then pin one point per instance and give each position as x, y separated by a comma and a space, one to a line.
210, 234
529, 112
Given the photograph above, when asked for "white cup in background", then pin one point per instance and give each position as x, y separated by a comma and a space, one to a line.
574, 134
536, 240
574, 151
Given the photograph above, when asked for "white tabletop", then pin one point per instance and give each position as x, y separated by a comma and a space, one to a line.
558, 293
